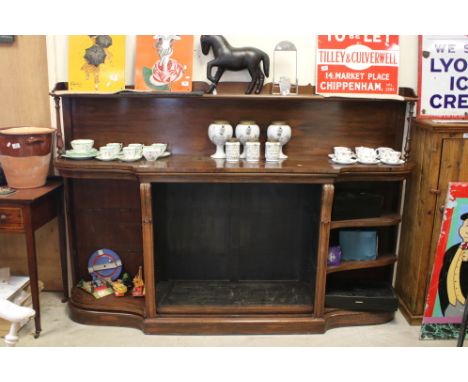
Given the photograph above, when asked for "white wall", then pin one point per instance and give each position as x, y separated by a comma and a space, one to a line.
306, 44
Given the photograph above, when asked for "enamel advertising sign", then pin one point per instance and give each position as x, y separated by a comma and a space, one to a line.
443, 77
357, 64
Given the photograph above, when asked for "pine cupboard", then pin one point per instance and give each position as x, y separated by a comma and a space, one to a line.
440, 155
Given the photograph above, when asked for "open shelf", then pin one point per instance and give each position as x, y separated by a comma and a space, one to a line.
111, 303
381, 261
231, 90
381, 221
226, 297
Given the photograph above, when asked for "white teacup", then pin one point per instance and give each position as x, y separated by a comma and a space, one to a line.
106, 152
116, 147
151, 153
367, 155
159, 147
82, 146
391, 156
138, 146
131, 152
344, 156
337, 150
382, 150
360, 149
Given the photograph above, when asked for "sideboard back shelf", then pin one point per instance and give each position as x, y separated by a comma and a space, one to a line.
227, 248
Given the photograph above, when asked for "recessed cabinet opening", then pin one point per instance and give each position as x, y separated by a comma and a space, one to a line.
235, 248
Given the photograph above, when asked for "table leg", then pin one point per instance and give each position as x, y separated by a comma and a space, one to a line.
63, 244
32, 268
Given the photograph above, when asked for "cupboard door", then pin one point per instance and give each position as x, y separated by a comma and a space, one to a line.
453, 168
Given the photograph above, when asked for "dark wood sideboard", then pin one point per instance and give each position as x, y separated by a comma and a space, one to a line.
227, 248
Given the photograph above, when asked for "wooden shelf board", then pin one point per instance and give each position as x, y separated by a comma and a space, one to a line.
195, 167
381, 261
382, 221
225, 297
232, 90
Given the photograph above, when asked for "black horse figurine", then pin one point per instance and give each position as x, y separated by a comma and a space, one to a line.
229, 58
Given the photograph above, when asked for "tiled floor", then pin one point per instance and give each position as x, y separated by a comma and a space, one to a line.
59, 330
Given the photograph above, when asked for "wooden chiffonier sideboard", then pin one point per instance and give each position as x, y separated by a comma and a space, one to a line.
439, 152
228, 248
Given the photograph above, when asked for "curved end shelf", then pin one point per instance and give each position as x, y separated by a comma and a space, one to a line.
381, 261
381, 221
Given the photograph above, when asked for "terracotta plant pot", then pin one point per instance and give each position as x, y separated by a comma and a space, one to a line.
25, 154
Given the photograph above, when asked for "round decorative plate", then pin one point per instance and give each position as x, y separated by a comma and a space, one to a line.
105, 263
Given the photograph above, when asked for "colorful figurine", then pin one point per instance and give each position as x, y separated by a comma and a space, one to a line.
119, 288
138, 284
127, 280
98, 287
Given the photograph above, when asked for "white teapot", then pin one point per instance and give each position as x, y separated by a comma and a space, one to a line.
219, 132
281, 132
247, 131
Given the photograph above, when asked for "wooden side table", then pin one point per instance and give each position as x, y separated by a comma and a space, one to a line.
24, 212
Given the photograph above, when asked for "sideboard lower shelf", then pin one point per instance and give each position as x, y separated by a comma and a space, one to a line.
224, 297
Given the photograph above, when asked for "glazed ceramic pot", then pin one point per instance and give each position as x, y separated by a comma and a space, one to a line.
219, 132
25, 154
281, 132
247, 131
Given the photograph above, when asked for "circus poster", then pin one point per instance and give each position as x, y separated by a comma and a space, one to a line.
448, 287
164, 62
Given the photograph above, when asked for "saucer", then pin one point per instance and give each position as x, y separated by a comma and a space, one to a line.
349, 161
373, 162
400, 162
106, 159
71, 154
129, 160
164, 154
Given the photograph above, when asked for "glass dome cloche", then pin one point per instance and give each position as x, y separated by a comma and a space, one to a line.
285, 80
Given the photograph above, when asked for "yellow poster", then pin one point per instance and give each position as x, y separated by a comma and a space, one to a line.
96, 63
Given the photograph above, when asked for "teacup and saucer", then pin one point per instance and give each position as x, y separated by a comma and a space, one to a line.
366, 155
391, 157
130, 154
342, 156
106, 153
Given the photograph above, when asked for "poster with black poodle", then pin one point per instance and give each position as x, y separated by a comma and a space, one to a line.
96, 63
448, 288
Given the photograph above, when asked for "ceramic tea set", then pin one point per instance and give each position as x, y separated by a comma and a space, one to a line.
247, 134
83, 149
366, 155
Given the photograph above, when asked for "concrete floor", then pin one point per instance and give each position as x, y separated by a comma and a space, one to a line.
59, 330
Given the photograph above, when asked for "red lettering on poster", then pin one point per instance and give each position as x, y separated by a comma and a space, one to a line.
361, 64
